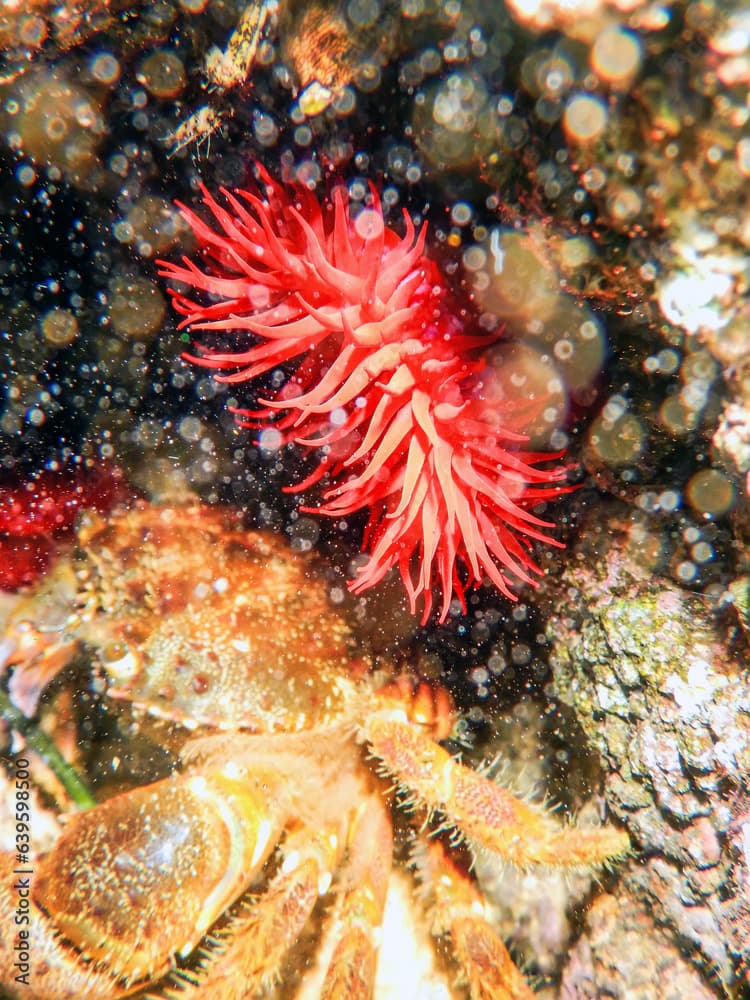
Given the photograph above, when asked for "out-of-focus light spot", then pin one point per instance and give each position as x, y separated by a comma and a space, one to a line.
265, 129
516, 281
59, 327
702, 552
525, 371
676, 417
617, 442
547, 74
162, 73
654, 18
105, 68
585, 118
304, 534
686, 571
743, 156
369, 224
474, 258
270, 439
25, 174
710, 493
136, 307
461, 213
55, 123
363, 13
734, 40
368, 76
577, 251
667, 361
577, 341
625, 205
190, 429
455, 121
32, 31
594, 179
669, 500
308, 173
35, 416
616, 56
153, 224
123, 231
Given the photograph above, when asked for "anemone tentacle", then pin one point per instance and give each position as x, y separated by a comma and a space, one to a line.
382, 374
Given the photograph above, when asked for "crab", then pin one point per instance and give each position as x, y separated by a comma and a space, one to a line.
292, 755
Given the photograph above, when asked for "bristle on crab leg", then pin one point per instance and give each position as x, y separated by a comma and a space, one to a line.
52, 975
351, 971
457, 910
243, 960
490, 816
216, 828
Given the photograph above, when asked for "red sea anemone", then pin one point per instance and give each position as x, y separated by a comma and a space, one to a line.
385, 385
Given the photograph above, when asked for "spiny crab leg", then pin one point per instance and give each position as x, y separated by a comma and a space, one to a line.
52, 973
457, 910
490, 816
351, 971
244, 957
186, 846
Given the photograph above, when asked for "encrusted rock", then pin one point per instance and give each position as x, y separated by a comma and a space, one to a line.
658, 682
618, 954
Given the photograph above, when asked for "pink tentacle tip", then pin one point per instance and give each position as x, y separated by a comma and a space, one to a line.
394, 408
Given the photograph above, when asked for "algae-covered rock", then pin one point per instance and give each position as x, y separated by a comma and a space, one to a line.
618, 953
657, 678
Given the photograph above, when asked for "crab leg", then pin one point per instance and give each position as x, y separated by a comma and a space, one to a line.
490, 816
458, 910
55, 972
244, 957
351, 971
38, 658
146, 873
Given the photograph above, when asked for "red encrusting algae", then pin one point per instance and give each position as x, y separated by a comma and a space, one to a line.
385, 384
38, 511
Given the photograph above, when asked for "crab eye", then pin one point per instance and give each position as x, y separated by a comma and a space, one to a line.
119, 661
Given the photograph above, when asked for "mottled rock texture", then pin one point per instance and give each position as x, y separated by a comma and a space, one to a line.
658, 681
